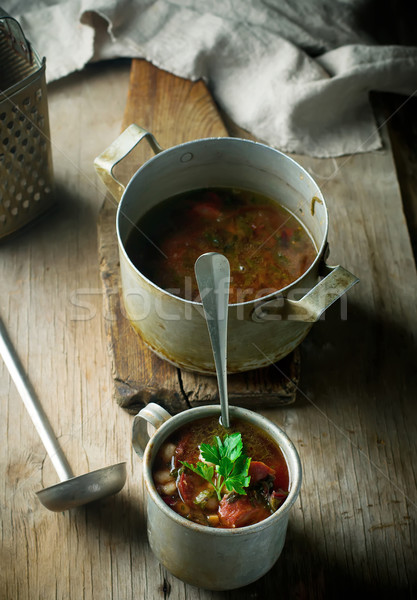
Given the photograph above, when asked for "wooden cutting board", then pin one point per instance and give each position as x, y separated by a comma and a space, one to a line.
175, 110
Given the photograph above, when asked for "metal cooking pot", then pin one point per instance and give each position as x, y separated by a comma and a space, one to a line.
260, 331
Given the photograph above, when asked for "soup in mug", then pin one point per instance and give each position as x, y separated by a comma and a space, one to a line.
221, 478
267, 247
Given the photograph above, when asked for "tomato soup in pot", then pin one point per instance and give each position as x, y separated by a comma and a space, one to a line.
268, 247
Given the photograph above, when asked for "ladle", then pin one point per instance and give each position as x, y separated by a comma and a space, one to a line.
212, 271
72, 491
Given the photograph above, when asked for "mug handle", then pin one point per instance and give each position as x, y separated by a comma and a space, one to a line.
152, 414
309, 308
107, 160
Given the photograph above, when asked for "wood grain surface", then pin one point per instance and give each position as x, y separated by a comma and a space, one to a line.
352, 533
175, 111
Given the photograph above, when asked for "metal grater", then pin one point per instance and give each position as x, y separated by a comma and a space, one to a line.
26, 176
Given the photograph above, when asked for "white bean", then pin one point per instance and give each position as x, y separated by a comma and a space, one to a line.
162, 476
168, 488
167, 452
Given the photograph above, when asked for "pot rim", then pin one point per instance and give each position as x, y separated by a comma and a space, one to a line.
289, 450
184, 145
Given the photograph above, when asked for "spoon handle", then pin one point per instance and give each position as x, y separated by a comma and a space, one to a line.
33, 406
212, 272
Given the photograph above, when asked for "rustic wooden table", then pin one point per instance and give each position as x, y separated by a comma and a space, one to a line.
354, 421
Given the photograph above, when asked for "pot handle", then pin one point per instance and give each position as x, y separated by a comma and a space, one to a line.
107, 160
152, 414
336, 282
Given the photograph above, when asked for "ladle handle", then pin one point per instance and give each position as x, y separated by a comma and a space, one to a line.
33, 406
212, 272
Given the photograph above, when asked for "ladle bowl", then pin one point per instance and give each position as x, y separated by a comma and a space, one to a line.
85, 488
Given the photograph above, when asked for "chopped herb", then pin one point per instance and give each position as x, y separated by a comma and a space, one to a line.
202, 497
230, 468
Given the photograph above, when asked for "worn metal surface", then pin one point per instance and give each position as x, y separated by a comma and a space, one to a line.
26, 176
232, 557
175, 328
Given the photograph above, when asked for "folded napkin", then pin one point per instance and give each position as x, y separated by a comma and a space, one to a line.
295, 73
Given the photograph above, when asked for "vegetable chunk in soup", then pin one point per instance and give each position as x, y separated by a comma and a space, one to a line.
220, 479
267, 247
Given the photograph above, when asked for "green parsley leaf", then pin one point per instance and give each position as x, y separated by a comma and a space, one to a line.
210, 453
239, 478
233, 446
204, 470
225, 467
231, 465
236, 484
242, 464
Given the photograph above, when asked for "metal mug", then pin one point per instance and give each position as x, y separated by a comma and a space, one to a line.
211, 558
260, 331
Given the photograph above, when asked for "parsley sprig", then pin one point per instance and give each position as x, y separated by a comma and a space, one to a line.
231, 465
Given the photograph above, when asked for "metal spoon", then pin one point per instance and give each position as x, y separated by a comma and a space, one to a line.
212, 271
72, 491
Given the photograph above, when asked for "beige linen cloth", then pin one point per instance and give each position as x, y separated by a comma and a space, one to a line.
295, 73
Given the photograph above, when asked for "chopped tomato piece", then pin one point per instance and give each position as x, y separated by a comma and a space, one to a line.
259, 470
206, 210
242, 511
